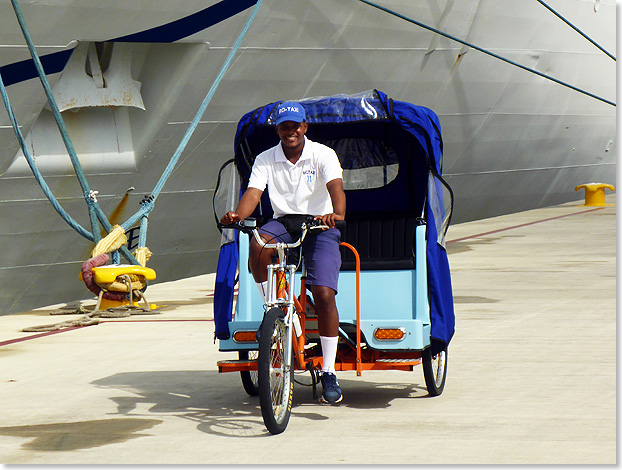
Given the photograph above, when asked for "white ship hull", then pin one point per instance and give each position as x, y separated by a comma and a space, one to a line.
513, 140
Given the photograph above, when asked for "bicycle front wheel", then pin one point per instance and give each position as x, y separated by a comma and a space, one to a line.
274, 374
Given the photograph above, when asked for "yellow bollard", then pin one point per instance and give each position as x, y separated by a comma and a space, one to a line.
595, 193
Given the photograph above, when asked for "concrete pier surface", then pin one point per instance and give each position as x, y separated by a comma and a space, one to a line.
531, 371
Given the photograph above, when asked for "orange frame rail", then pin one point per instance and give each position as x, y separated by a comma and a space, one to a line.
358, 306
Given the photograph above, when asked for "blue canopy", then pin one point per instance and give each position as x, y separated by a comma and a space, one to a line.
391, 152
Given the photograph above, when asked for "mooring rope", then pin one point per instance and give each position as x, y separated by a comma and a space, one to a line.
496, 56
544, 4
35, 170
148, 205
59, 121
95, 212
91, 318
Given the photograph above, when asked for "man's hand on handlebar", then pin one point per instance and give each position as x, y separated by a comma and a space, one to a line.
229, 218
330, 219
247, 225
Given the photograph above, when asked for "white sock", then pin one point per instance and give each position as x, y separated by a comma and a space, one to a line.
329, 351
263, 289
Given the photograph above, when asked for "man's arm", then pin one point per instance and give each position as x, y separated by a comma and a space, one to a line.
246, 206
338, 198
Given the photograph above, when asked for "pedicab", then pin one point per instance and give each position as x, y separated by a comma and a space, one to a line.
394, 293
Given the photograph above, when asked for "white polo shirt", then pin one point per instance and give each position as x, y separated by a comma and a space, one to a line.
297, 188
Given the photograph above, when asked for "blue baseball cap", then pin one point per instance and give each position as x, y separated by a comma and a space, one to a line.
290, 111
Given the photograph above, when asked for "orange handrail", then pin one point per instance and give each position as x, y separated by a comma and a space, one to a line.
358, 306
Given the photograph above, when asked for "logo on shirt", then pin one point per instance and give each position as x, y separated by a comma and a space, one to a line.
308, 175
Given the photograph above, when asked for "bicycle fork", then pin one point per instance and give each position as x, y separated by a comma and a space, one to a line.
281, 294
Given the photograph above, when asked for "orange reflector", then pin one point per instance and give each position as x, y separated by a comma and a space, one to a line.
245, 336
389, 334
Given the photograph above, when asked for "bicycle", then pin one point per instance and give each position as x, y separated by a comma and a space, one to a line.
280, 335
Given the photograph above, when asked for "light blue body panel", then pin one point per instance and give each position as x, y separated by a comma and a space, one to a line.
238, 325
249, 308
389, 299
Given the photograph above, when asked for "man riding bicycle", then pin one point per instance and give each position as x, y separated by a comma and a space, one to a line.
303, 177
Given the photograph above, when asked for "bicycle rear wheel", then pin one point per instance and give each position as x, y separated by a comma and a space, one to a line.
435, 370
249, 378
275, 376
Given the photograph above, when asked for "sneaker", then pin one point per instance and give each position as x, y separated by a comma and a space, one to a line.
331, 393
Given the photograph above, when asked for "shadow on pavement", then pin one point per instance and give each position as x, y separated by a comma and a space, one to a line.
219, 405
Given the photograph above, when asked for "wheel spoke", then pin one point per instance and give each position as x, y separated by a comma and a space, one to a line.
277, 370
252, 356
438, 366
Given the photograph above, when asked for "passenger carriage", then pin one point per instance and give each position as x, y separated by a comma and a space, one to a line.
396, 310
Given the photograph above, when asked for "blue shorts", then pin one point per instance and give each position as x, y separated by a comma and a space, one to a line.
320, 249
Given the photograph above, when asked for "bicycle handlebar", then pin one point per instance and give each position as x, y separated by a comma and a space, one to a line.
249, 225
245, 226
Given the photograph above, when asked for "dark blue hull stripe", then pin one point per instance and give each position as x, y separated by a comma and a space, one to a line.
170, 32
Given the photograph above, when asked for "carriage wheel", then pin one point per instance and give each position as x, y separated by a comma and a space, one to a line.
275, 376
435, 370
249, 378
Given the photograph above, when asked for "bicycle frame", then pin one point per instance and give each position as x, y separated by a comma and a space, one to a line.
282, 276
281, 285
281, 293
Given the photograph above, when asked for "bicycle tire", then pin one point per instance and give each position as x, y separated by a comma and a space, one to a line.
250, 380
275, 381
434, 370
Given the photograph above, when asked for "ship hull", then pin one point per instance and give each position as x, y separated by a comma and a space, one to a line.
513, 140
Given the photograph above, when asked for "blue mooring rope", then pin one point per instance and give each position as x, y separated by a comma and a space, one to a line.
575, 28
59, 120
95, 211
94, 208
453, 38
46, 189
148, 205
